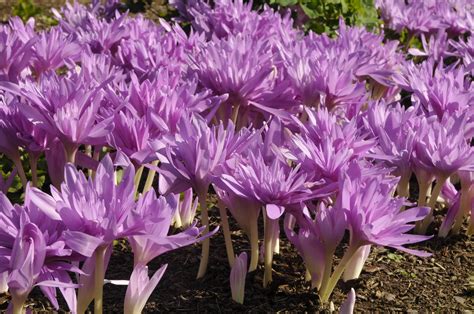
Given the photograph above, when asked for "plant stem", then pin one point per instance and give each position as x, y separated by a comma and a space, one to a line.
235, 113
150, 178
18, 302
307, 276
70, 151
20, 170
227, 236
206, 243
177, 220
276, 246
328, 261
99, 279
466, 197
96, 157
423, 188
424, 224
254, 245
89, 153
137, 179
470, 229
326, 293
403, 188
269, 245
34, 168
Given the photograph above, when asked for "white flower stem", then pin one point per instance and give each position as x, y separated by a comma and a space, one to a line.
328, 261
403, 188
34, 168
326, 292
227, 236
424, 224
150, 177
254, 245
18, 303
269, 245
464, 206
99, 279
137, 179
20, 170
70, 151
206, 243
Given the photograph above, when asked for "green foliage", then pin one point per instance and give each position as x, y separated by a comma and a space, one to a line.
324, 14
25, 9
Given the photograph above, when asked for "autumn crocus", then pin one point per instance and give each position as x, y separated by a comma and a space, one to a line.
317, 239
140, 288
237, 278
347, 307
16, 51
186, 210
244, 69
192, 159
33, 254
66, 107
274, 185
373, 217
52, 50
95, 213
442, 149
158, 214
394, 129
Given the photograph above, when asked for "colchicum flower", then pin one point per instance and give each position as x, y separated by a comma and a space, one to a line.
95, 212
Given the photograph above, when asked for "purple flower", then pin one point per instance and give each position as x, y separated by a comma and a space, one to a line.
198, 153
465, 51
275, 185
427, 16
440, 91
141, 287
373, 216
16, 50
65, 107
186, 209
244, 69
194, 157
348, 306
158, 214
325, 145
317, 239
33, 253
237, 278
441, 147
131, 135
95, 212
52, 50
437, 48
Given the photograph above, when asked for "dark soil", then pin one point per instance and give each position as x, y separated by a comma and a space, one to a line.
391, 281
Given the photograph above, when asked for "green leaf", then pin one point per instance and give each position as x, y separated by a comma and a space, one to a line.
284, 3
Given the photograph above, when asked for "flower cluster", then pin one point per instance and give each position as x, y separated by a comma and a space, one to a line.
137, 123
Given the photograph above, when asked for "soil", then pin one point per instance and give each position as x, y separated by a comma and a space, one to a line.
391, 281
